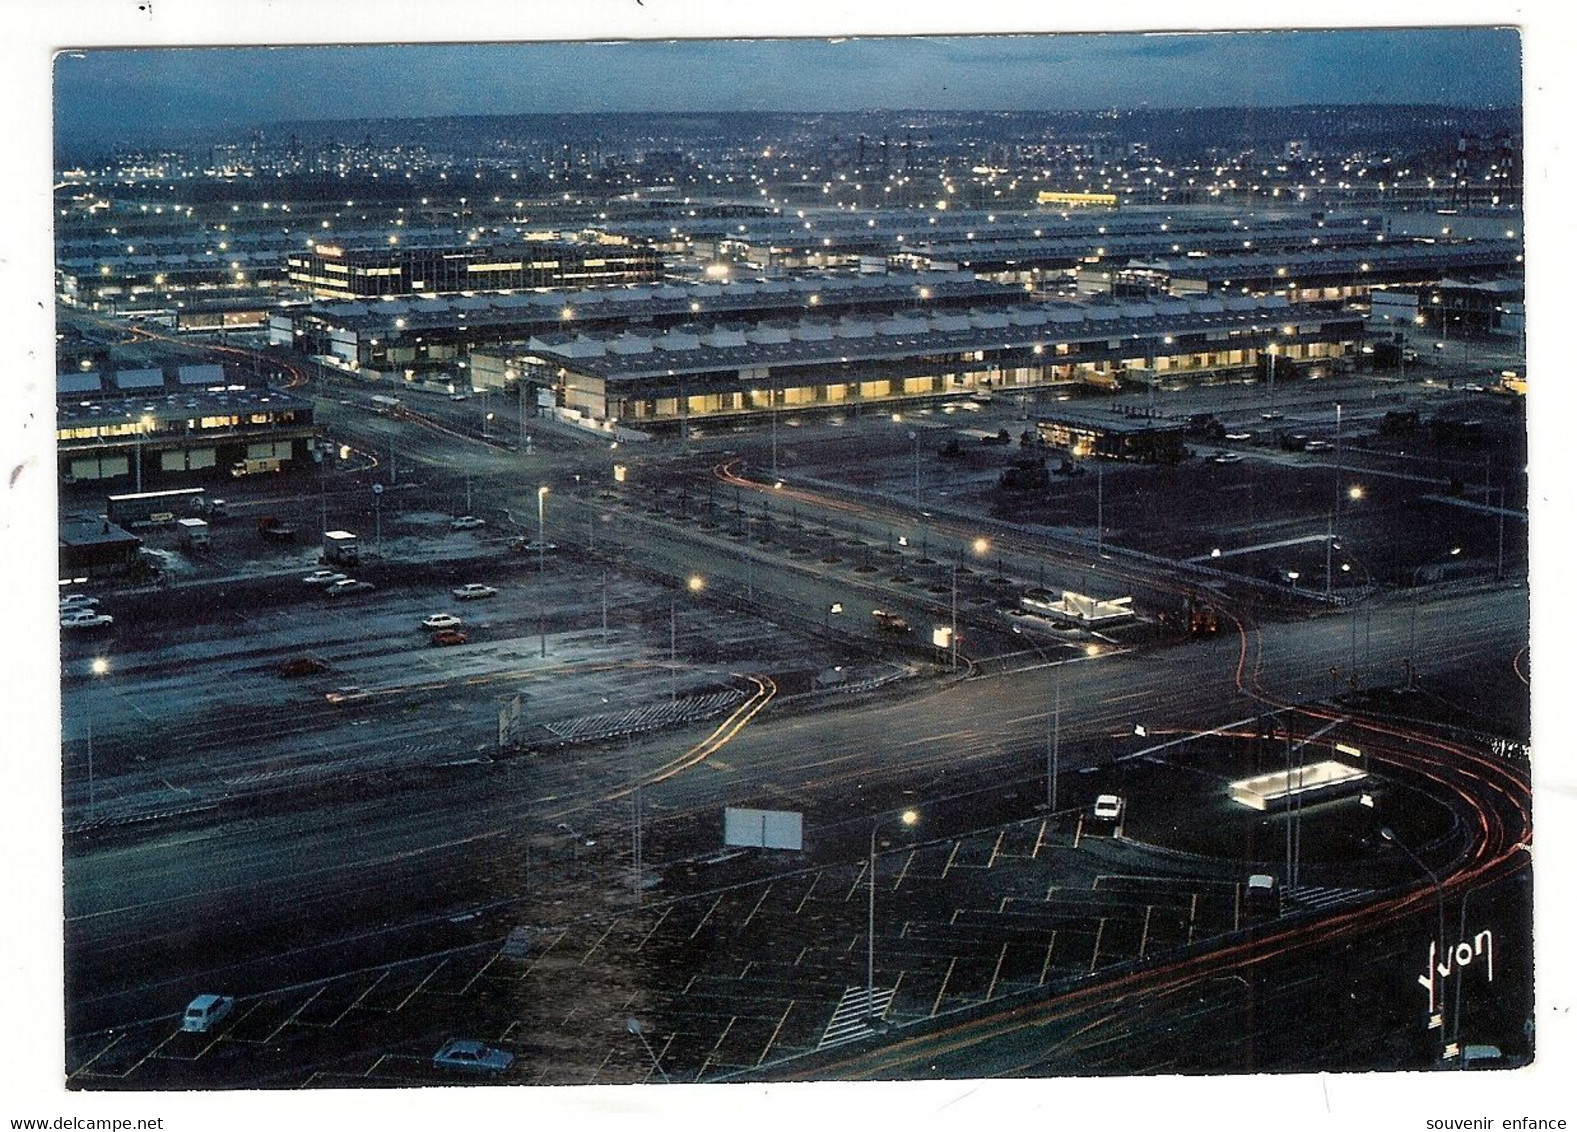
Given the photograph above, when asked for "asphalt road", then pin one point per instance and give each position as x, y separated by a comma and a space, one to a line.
413, 864
276, 899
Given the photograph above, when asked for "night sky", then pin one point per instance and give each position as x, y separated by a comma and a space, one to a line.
127, 95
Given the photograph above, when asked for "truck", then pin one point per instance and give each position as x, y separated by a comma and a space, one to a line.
194, 535
253, 467
147, 508
341, 548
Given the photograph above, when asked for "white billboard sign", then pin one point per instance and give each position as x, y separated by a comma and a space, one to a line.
763, 829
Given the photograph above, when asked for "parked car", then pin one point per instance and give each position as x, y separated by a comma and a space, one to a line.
205, 1011
77, 601
1238, 436
1272, 415
889, 622
349, 586
346, 694
1226, 458
1108, 807
1259, 894
303, 666
462, 1053
442, 621
472, 590
85, 619
458, 396
1317, 446
467, 523
448, 637
323, 578
523, 545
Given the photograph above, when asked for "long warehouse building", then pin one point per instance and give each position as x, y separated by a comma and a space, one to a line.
644, 377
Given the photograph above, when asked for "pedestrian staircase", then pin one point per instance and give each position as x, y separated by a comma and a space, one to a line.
615, 724
1316, 897
851, 1021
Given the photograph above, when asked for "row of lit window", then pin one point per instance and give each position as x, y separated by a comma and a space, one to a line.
129, 428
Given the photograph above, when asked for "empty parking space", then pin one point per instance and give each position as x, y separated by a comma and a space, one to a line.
753, 972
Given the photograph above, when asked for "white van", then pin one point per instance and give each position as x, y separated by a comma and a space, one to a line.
205, 1011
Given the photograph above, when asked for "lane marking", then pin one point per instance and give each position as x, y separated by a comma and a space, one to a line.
937, 1005
1046, 966
775, 1031
1001, 955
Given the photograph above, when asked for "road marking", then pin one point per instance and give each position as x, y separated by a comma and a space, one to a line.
859, 879
1096, 954
337, 1019
1193, 909
903, 872
373, 1068
937, 1005
1078, 831
469, 983
732, 1018
593, 949
704, 918
1040, 835
950, 857
1129, 696
1191, 737
1046, 966
997, 848
757, 908
341, 867
87, 1065
935, 738
813, 882
1001, 955
775, 1031
645, 938
403, 1001
1144, 937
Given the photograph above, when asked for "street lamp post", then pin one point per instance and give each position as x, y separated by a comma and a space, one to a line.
377, 515
1436, 1008
143, 425
542, 550
914, 438
907, 817
1412, 628
1100, 506
952, 633
1056, 741
99, 667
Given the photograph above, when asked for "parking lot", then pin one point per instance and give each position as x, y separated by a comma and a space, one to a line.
727, 970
